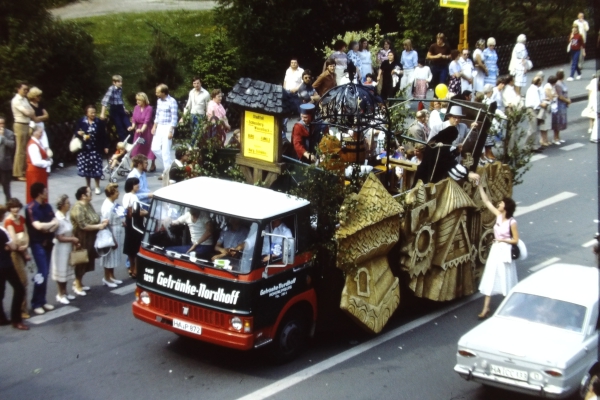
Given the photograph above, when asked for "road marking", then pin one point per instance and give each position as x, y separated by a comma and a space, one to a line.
49, 316
544, 203
124, 290
572, 146
537, 157
590, 243
306, 373
544, 264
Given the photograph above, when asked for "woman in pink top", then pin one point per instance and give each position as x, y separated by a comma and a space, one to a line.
500, 273
216, 110
141, 124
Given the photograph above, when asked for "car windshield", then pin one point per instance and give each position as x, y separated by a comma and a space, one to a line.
202, 237
544, 310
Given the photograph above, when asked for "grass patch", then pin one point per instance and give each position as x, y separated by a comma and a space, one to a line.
124, 41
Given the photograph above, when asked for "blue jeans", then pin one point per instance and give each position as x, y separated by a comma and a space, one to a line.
194, 121
440, 75
575, 62
121, 121
41, 255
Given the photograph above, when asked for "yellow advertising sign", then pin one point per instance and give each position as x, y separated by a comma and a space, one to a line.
455, 3
259, 136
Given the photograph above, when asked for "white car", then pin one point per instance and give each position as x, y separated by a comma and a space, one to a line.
542, 340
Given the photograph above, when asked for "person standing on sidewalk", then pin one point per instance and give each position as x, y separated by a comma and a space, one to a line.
113, 99
23, 114
7, 146
9, 274
536, 114
41, 225
196, 106
164, 128
576, 48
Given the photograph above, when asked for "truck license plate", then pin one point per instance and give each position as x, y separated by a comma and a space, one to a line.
509, 373
185, 326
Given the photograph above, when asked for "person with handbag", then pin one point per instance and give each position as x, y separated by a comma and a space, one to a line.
115, 214
500, 273
64, 241
41, 224
92, 134
86, 224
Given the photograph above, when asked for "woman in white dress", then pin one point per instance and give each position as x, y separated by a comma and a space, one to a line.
64, 241
518, 63
115, 214
480, 68
500, 273
591, 111
366, 60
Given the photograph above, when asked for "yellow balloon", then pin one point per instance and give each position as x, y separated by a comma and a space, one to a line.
441, 91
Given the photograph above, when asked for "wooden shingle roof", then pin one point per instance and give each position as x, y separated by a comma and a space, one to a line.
262, 96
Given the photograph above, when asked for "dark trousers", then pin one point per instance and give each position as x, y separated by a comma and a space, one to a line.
41, 255
10, 275
575, 62
5, 177
440, 75
121, 121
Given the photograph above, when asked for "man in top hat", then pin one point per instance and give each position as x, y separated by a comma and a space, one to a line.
306, 136
454, 119
439, 160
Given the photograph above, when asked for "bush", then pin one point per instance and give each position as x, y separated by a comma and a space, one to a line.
56, 56
218, 63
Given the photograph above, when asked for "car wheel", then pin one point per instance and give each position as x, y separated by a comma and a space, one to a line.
290, 339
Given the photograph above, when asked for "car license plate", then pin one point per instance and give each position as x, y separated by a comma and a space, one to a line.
185, 326
509, 373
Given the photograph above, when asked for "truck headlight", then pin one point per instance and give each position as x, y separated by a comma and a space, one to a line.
145, 298
236, 323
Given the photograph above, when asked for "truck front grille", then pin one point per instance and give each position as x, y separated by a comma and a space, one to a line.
198, 314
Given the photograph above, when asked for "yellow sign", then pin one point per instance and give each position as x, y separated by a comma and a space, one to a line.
259, 136
455, 3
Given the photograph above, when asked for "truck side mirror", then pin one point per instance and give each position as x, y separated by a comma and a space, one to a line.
289, 250
136, 212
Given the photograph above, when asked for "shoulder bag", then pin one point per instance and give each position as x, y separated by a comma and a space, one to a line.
75, 145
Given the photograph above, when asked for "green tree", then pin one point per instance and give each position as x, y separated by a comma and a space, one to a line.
218, 63
268, 33
57, 56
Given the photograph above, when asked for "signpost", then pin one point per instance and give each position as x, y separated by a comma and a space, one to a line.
464, 5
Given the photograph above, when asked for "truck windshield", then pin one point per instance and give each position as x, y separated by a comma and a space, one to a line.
200, 236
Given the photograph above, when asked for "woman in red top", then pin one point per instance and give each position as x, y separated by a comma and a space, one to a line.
15, 225
576, 46
38, 162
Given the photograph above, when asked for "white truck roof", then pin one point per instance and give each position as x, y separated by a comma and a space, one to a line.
227, 197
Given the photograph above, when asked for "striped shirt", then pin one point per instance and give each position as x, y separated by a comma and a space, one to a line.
113, 97
166, 112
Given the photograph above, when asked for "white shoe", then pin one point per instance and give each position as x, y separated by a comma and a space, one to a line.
109, 284
86, 288
118, 282
70, 297
62, 299
48, 307
570, 79
39, 311
578, 77
79, 292
97, 190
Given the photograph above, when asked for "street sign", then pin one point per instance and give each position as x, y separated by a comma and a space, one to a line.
462, 4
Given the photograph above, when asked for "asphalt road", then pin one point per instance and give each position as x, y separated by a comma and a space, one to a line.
95, 349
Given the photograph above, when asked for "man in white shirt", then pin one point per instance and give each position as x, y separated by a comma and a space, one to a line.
466, 69
201, 230
196, 105
583, 26
293, 77
534, 104
273, 245
23, 114
163, 130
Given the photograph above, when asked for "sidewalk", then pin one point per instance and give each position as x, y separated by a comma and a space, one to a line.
92, 8
577, 91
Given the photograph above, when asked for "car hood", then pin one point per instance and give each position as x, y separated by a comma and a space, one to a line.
522, 340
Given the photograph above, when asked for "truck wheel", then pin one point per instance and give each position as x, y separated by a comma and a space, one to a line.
585, 391
290, 339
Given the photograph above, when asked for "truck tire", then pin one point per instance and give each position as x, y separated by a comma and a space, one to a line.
291, 337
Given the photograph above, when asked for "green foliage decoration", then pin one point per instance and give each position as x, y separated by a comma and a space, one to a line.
514, 150
218, 63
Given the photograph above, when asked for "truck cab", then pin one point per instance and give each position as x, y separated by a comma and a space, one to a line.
229, 264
